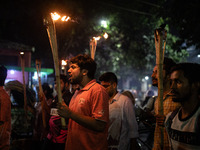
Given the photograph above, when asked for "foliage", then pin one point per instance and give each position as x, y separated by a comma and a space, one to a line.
129, 51
184, 20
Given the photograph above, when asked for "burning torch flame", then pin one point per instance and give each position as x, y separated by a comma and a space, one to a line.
97, 38
64, 63
65, 18
21, 53
55, 16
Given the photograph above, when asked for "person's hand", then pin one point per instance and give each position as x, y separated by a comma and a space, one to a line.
160, 119
63, 110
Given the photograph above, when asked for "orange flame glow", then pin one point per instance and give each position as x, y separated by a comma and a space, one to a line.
55, 16
64, 63
97, 38
65, 18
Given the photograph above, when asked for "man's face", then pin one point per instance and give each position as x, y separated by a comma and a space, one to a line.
154, 76
75, 74
181, 89
110, 88
62, 85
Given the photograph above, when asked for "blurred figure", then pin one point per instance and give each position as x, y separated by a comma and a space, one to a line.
5, 112
149, 94
123, 128
57, 136
39, 131
183, 124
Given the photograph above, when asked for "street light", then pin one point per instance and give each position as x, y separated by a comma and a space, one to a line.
104, 24
146, 78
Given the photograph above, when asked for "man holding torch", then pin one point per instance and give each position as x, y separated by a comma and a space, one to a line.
168, 104
88, 109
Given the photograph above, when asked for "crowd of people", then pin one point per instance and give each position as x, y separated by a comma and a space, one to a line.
98, 117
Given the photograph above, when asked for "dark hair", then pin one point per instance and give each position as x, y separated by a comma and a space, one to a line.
108, 77
64, 78
190, 70
85, 62
168, 63
3, 75
49, 91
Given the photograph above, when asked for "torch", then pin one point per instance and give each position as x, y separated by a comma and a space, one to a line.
24, 84
63, 66
38, 67
93, 44
49, 22
160, 35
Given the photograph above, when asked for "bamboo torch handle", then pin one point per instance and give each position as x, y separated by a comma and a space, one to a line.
38, 67
53, 42
24, 84
93, 44
159, 38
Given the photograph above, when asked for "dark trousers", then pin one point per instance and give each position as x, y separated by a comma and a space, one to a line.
49, 145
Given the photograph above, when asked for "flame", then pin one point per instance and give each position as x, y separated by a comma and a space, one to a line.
97, 38
65, 18
64, 63
21, 53
55, 16
105, 35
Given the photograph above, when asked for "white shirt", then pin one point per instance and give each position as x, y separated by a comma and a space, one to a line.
122, 121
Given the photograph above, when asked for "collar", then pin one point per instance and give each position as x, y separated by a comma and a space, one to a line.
89, 85
116, 97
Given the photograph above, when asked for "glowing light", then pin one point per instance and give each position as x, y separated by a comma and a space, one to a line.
97, 38
12, 72
64, 63
55, 16
21, 53
104, 24
35, 76
198, 55
41, 74
146, 78
105, 35
65, 18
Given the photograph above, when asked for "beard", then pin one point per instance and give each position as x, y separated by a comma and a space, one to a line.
76, 80
179, 98
154, 82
